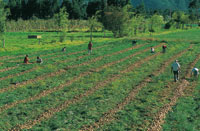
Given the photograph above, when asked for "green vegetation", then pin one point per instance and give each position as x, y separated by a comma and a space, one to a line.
121, 84
77, 91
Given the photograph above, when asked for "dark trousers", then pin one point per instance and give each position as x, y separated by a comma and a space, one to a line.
176, 73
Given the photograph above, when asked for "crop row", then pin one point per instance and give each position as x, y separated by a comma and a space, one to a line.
103, 66
185, 115
141, 59
61, 66
152, 98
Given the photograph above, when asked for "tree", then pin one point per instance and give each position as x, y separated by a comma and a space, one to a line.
117, 19
3, 14
140, 9
119, 3
138, 23
62, 21
15, 7
179, 18
155, 23
195, 5
68, 5
78, 9
93, 7
93, 24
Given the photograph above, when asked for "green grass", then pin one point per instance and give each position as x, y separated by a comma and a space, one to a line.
186, 114
138, 114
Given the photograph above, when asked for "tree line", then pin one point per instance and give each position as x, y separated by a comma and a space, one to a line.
118, 16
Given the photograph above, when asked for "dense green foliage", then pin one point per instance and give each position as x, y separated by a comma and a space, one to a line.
163, 4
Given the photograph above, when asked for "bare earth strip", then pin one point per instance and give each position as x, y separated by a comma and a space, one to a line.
63, 54
48, 114
160, 116
73, 53
64, 71
46, 92
109, 116
9, 68
33, 69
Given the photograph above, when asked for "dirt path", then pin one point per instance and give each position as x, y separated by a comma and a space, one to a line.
7, 69
110, 115
160, 116
46, 92
33, 69
48, 114
60, 55
65, 70
73, 53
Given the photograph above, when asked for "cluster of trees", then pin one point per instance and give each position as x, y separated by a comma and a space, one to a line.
118, 16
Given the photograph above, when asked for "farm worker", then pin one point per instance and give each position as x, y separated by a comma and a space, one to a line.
134, 42
164, 48
152, 50
64, 49
39, 60
26, 59
176, 69
90, 47
195, 72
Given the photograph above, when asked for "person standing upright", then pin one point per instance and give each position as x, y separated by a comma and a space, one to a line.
164, 47
176, 69
90, 47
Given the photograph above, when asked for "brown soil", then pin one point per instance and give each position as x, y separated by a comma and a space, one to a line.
179, 91
62, 71
109, 116
48, 114
10, 68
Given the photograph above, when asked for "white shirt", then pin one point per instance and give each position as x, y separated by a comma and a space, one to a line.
195, 69
176, 66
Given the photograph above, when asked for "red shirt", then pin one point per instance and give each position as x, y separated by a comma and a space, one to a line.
164, 46
26, 60
90, 46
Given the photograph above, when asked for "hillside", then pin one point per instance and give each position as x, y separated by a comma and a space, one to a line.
163, 4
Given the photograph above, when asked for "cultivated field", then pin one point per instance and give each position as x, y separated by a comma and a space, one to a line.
119, 87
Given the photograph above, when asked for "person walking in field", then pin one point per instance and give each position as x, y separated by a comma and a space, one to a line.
164, 47
195, 72
176, 69
26, 59
152, 50
90, 47
39, 60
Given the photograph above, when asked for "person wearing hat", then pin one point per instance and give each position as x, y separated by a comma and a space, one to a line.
195, 72
176, 69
